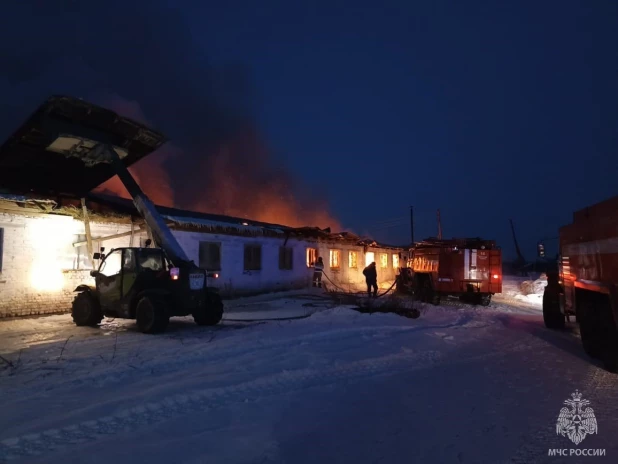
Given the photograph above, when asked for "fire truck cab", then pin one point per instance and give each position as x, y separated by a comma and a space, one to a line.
470, 268
585, 284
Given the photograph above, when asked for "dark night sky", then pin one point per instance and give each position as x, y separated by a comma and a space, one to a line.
486, 110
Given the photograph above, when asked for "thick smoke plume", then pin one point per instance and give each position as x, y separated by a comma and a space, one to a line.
140, 59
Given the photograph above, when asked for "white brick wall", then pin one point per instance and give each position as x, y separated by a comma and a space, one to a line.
234, 280
352, 279
41, 268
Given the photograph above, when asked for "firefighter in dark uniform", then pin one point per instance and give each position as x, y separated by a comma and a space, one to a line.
318, 268
371, 277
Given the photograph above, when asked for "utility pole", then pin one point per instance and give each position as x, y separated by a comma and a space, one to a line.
439, 226
412, 225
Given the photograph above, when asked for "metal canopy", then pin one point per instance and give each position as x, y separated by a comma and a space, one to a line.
51, 152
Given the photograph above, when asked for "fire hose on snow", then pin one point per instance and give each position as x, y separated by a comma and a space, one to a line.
358, 292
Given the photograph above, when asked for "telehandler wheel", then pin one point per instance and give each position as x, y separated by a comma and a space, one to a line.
552, 317
211, 313
151, 315
86, 310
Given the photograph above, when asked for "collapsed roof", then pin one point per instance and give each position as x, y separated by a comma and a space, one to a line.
48, 154
107, 208
470, 242
52, 155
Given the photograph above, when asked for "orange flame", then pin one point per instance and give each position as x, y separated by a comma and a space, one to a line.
238, 179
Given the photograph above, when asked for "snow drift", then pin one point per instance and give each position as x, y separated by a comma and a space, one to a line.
534, 287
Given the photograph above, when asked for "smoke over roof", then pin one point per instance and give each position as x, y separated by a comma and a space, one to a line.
140, 59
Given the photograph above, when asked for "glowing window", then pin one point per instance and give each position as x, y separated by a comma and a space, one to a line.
383, 260
335, 259
395, 261
353, 259
370, 257
312, 256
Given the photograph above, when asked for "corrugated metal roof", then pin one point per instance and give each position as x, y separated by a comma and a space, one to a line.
17, 198
213, 225
215, 222
23, 199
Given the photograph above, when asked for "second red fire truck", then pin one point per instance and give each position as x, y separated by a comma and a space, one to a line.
470, 268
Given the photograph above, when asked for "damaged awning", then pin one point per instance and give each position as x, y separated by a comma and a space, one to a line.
49, 153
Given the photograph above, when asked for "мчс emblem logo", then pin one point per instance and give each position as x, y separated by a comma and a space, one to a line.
576, 422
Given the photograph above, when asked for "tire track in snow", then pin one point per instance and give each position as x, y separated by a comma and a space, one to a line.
199, 400
205, 355
200, 355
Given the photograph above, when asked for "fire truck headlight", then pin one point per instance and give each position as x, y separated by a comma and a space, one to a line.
496, 276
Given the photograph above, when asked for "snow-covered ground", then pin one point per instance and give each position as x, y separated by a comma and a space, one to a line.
522, 293
459, 384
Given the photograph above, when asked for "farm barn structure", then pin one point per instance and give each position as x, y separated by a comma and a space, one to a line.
44, 257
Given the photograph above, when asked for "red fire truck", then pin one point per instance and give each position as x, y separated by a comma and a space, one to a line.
586, 281
470, 268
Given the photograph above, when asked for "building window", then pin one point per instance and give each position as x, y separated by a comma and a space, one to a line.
1, 246
335, 259
285, 258
312, 256
383, 260
353, 259
253, 257
210, 256
395, 261
370, 257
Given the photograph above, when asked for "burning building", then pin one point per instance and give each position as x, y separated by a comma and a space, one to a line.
50, 225
43, 250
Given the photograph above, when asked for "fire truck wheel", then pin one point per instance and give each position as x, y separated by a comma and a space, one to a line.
552, 316
608, 336
610, 355
86, 310
485, 300
426, 293
588, 329
151, 315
